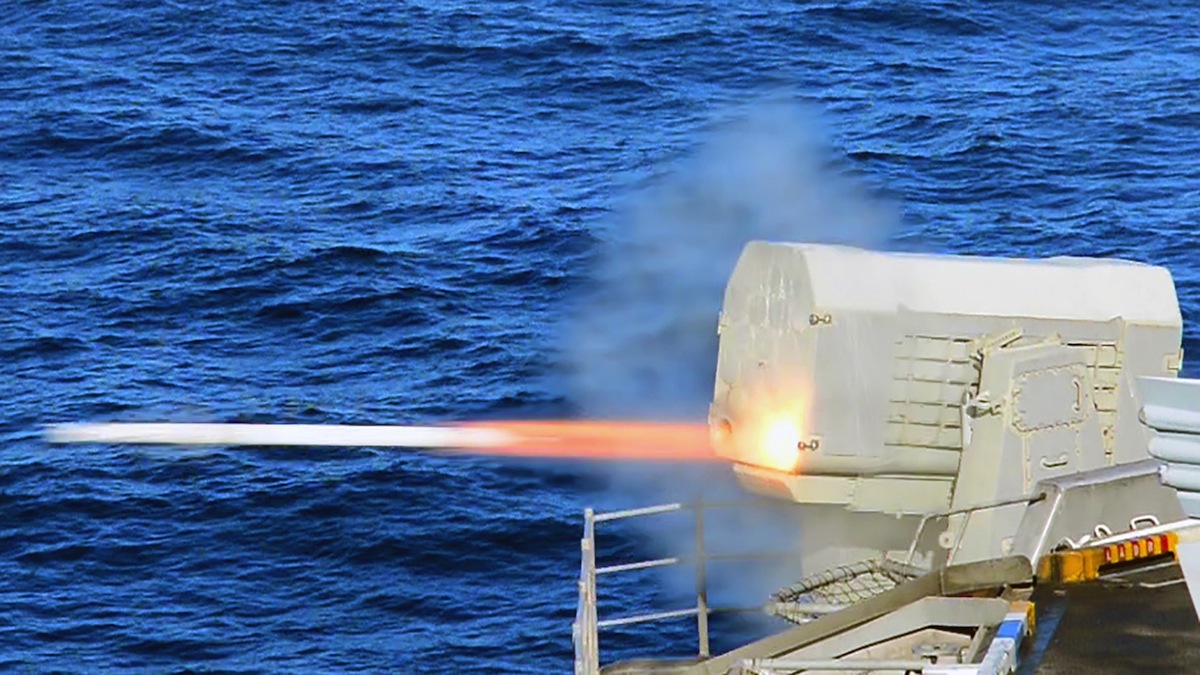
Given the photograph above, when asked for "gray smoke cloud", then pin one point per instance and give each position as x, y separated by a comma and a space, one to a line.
644, 343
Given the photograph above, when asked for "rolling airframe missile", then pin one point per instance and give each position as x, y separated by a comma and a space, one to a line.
578, 439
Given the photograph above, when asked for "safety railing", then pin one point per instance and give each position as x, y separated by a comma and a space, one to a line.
587, 626
966, 512
1103, 535
858, 666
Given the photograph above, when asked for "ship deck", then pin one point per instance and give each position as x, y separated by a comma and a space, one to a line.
1143, 622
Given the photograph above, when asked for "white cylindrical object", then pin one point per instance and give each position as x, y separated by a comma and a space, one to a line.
279, 434
1176, 448
1180, 476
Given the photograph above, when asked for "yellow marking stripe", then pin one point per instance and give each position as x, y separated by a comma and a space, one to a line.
1028, 609
1145, 547
1084, 564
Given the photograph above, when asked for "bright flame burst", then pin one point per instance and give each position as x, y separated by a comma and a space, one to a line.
779, 449
601, 440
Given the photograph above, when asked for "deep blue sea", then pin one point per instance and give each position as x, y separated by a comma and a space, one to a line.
363, 211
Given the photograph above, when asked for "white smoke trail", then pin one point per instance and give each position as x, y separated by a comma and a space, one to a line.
644, 343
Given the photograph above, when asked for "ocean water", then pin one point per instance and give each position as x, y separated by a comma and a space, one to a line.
364, 211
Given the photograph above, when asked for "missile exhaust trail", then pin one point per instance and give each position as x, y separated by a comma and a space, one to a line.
604, 440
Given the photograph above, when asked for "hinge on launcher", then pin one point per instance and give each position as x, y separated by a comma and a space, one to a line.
1174, 362
981, 405
986, 345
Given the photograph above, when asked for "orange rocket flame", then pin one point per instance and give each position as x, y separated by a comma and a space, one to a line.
779, 445
602, 440
605, 440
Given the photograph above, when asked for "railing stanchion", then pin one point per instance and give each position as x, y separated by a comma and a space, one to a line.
592, 639
701, 581
585, 632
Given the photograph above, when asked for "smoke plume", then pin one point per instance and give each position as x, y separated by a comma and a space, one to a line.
644, 343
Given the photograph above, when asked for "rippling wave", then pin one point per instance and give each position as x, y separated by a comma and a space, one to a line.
361, 211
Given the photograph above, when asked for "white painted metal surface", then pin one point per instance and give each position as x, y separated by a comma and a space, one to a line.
1172, 408
865, 368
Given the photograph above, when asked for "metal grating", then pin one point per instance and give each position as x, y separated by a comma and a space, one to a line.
838, 588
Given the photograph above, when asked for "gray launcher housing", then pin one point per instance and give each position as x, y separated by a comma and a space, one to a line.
919, 384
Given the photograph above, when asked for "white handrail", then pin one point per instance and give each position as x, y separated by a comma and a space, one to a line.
633, 513
1175, 526
966, 512
771, 666
585, 631
587, 625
